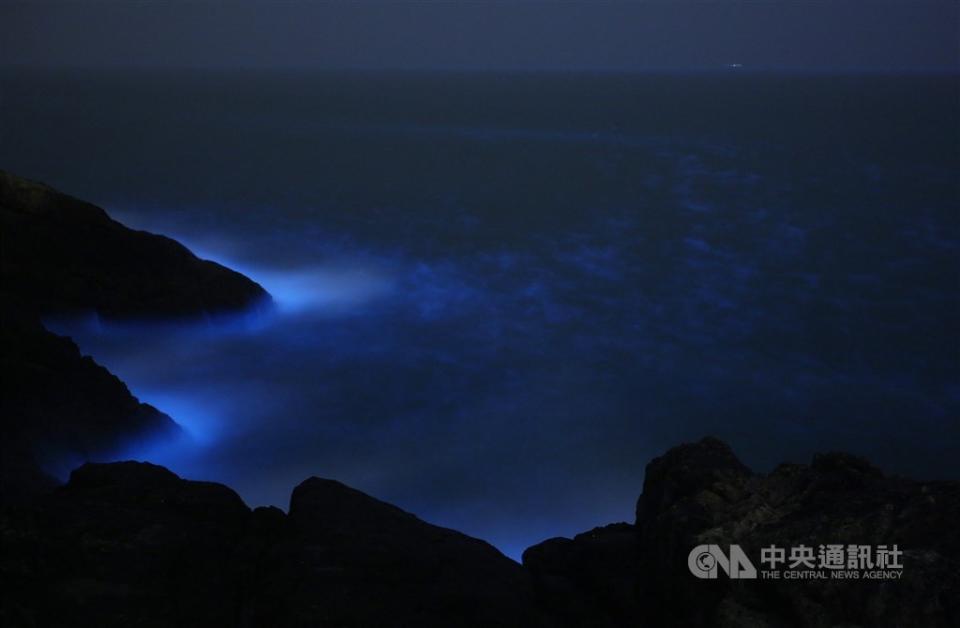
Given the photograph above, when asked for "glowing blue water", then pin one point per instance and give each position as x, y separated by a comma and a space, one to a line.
498, 299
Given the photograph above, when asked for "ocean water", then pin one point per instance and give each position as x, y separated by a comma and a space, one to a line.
498, 296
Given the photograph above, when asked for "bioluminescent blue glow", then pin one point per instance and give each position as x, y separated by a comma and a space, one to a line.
498, 299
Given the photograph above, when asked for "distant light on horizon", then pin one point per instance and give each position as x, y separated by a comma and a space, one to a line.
495, 36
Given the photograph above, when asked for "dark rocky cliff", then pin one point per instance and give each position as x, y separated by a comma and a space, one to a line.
63, 255
57, 406
60, 255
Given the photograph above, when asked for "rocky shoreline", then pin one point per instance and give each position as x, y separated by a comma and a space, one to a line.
128, 543
131, 543
61, 256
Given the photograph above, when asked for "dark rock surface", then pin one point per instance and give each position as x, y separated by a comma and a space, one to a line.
127, 544
132, 544
124, 544
60, 255
590, 580
372, 564
57, 406
701, 494
63, 255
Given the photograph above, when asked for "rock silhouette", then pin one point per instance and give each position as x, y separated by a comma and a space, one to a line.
63, 256
701, 493
58, 406
133, 544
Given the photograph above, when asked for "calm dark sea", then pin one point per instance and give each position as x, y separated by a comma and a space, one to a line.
500, 295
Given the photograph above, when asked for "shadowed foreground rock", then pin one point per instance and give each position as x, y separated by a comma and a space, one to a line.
701, 494
127, 544
590, 580
132, 544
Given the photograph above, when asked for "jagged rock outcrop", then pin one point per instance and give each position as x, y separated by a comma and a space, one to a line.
372, 564
701, 494
125, 544
63, 255
132, 544
590, 580
57, 407
60, 255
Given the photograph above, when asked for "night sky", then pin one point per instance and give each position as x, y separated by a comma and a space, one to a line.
507, 35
